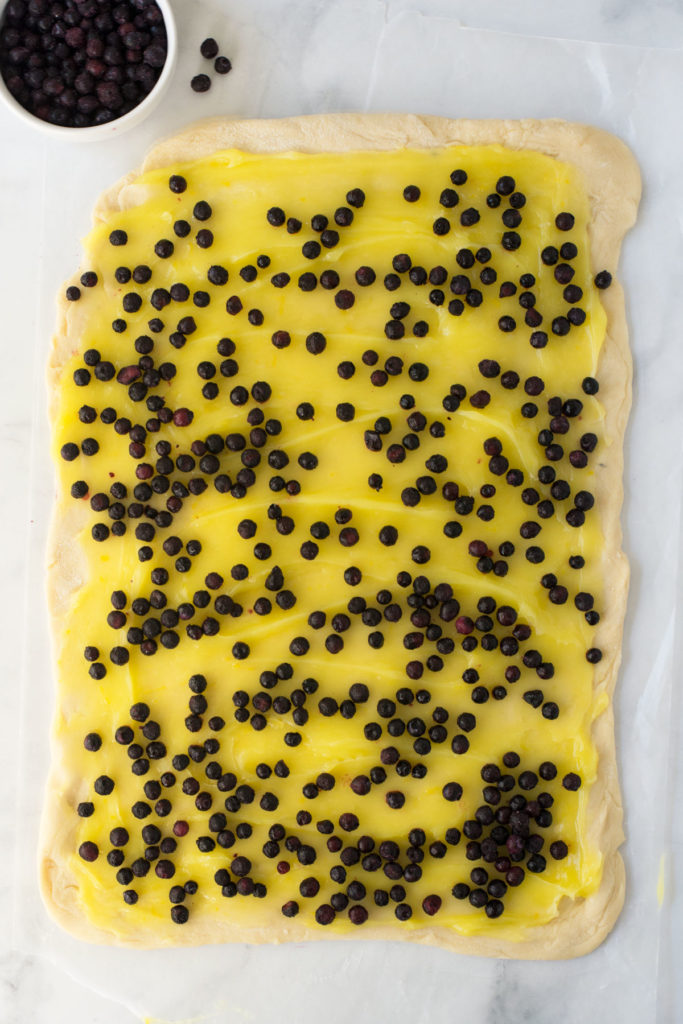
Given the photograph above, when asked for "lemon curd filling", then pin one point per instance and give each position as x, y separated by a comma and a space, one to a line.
329, 422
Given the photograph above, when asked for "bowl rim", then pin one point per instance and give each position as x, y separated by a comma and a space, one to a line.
118, 124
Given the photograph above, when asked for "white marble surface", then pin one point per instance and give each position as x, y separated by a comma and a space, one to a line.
301, 57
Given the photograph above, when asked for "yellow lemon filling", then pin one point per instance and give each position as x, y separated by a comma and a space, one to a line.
326, 413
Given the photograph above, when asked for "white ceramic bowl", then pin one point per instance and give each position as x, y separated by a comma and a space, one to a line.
119, 124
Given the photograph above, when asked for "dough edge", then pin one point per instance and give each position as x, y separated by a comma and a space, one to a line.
612, 179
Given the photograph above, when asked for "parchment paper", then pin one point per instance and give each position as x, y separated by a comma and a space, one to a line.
412, 62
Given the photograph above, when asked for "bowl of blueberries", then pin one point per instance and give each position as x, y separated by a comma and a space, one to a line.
85, 69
